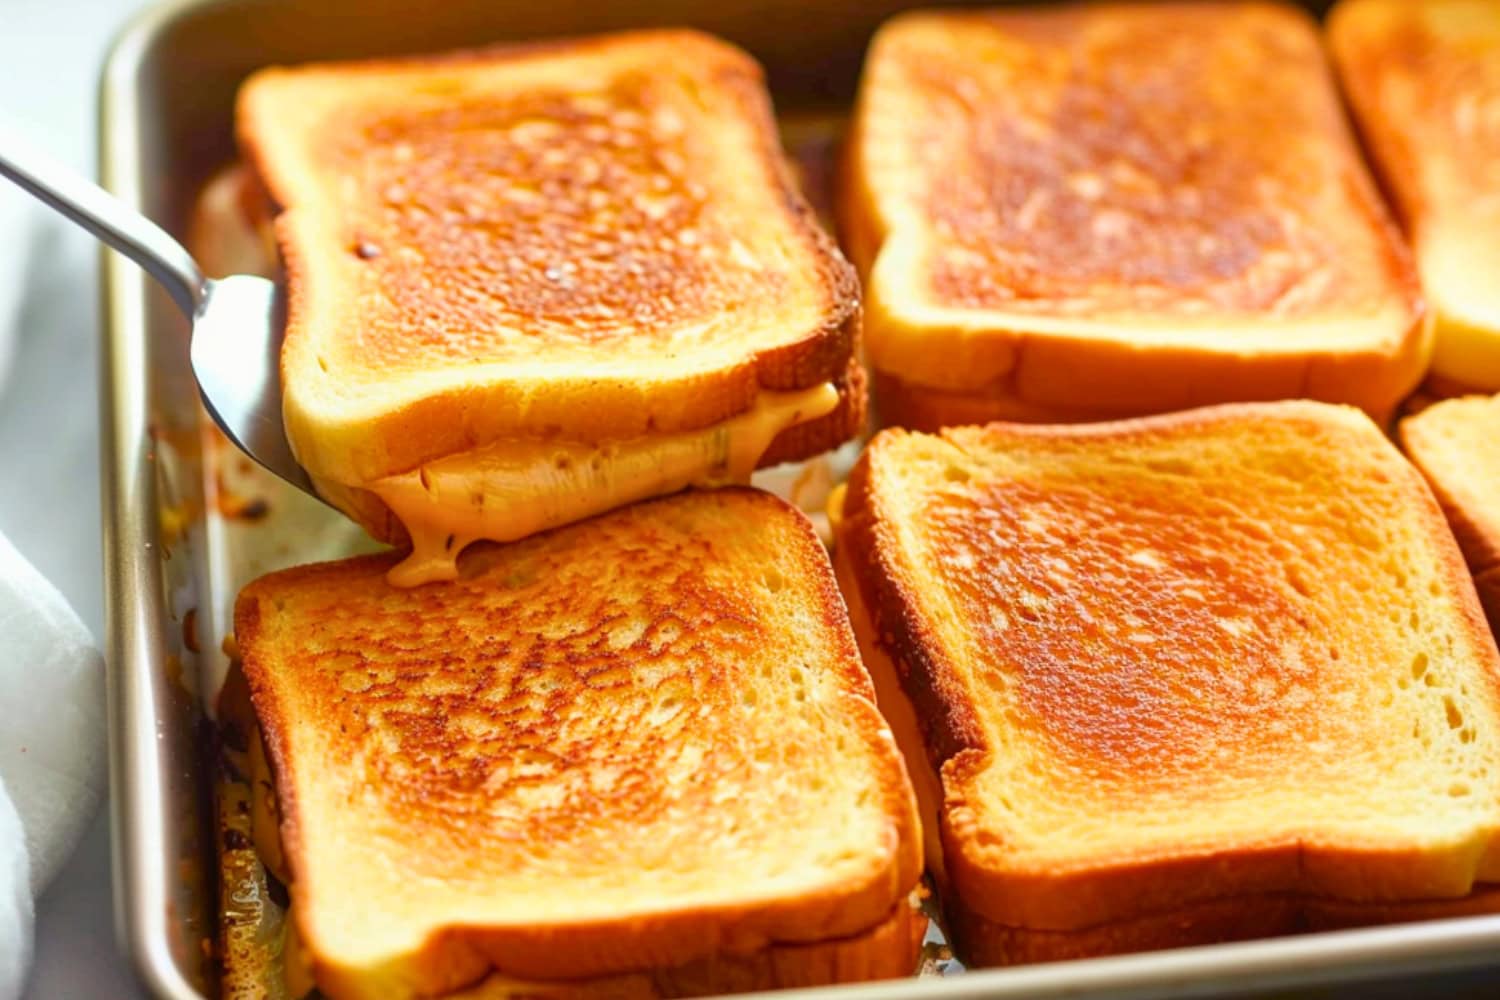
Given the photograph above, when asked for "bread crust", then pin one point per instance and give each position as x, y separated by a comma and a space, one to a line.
890, 950
1073, 381
1114, 886
1144, 361
655, 935
987, 943
356, 444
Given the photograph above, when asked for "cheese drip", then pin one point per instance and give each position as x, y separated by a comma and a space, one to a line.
512, 489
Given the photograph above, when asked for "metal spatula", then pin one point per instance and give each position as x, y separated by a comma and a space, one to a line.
236, 321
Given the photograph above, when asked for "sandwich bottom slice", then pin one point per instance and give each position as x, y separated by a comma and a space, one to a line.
1193, 678
637, 756
1456, 444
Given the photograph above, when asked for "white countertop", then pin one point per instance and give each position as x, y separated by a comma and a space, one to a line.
50, 55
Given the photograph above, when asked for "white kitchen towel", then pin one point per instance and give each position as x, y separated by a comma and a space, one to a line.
51, 715
51, 672
51, 747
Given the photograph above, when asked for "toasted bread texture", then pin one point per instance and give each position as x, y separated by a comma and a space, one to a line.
1424, 82
1128, 208
637, 743
1215, 656
592, 240
1456, 444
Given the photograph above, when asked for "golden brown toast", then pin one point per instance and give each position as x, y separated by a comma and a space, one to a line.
642, 744
1123, 208
1456, 444
1148, 671
260, 958
521, 270
1424, 82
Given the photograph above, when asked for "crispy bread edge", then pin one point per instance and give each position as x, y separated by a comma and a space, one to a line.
1115, 887
679, 936
454, 421
889, 950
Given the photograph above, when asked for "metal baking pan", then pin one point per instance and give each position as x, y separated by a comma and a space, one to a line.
176, 541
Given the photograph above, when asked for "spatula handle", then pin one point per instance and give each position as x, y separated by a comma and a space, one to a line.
104, 215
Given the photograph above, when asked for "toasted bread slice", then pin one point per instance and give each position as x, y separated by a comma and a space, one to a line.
546, 264
627, 746
1123, 208
1424, 80
1218, 655
1456, 444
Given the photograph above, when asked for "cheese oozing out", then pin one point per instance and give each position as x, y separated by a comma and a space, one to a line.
511, 489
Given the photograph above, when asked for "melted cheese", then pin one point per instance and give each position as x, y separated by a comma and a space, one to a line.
512, 489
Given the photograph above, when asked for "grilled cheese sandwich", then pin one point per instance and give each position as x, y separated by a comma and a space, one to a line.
1423, 80
530, 284
506, 491
633, 756
1118, 209
1198, 677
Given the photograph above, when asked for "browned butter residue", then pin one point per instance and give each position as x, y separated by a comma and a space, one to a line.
190, 630
235, 506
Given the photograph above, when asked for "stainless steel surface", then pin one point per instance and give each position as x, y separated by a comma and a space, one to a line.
166, 109
150, 727
236, 321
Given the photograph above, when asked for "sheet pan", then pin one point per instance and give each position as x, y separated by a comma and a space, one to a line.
181, 531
